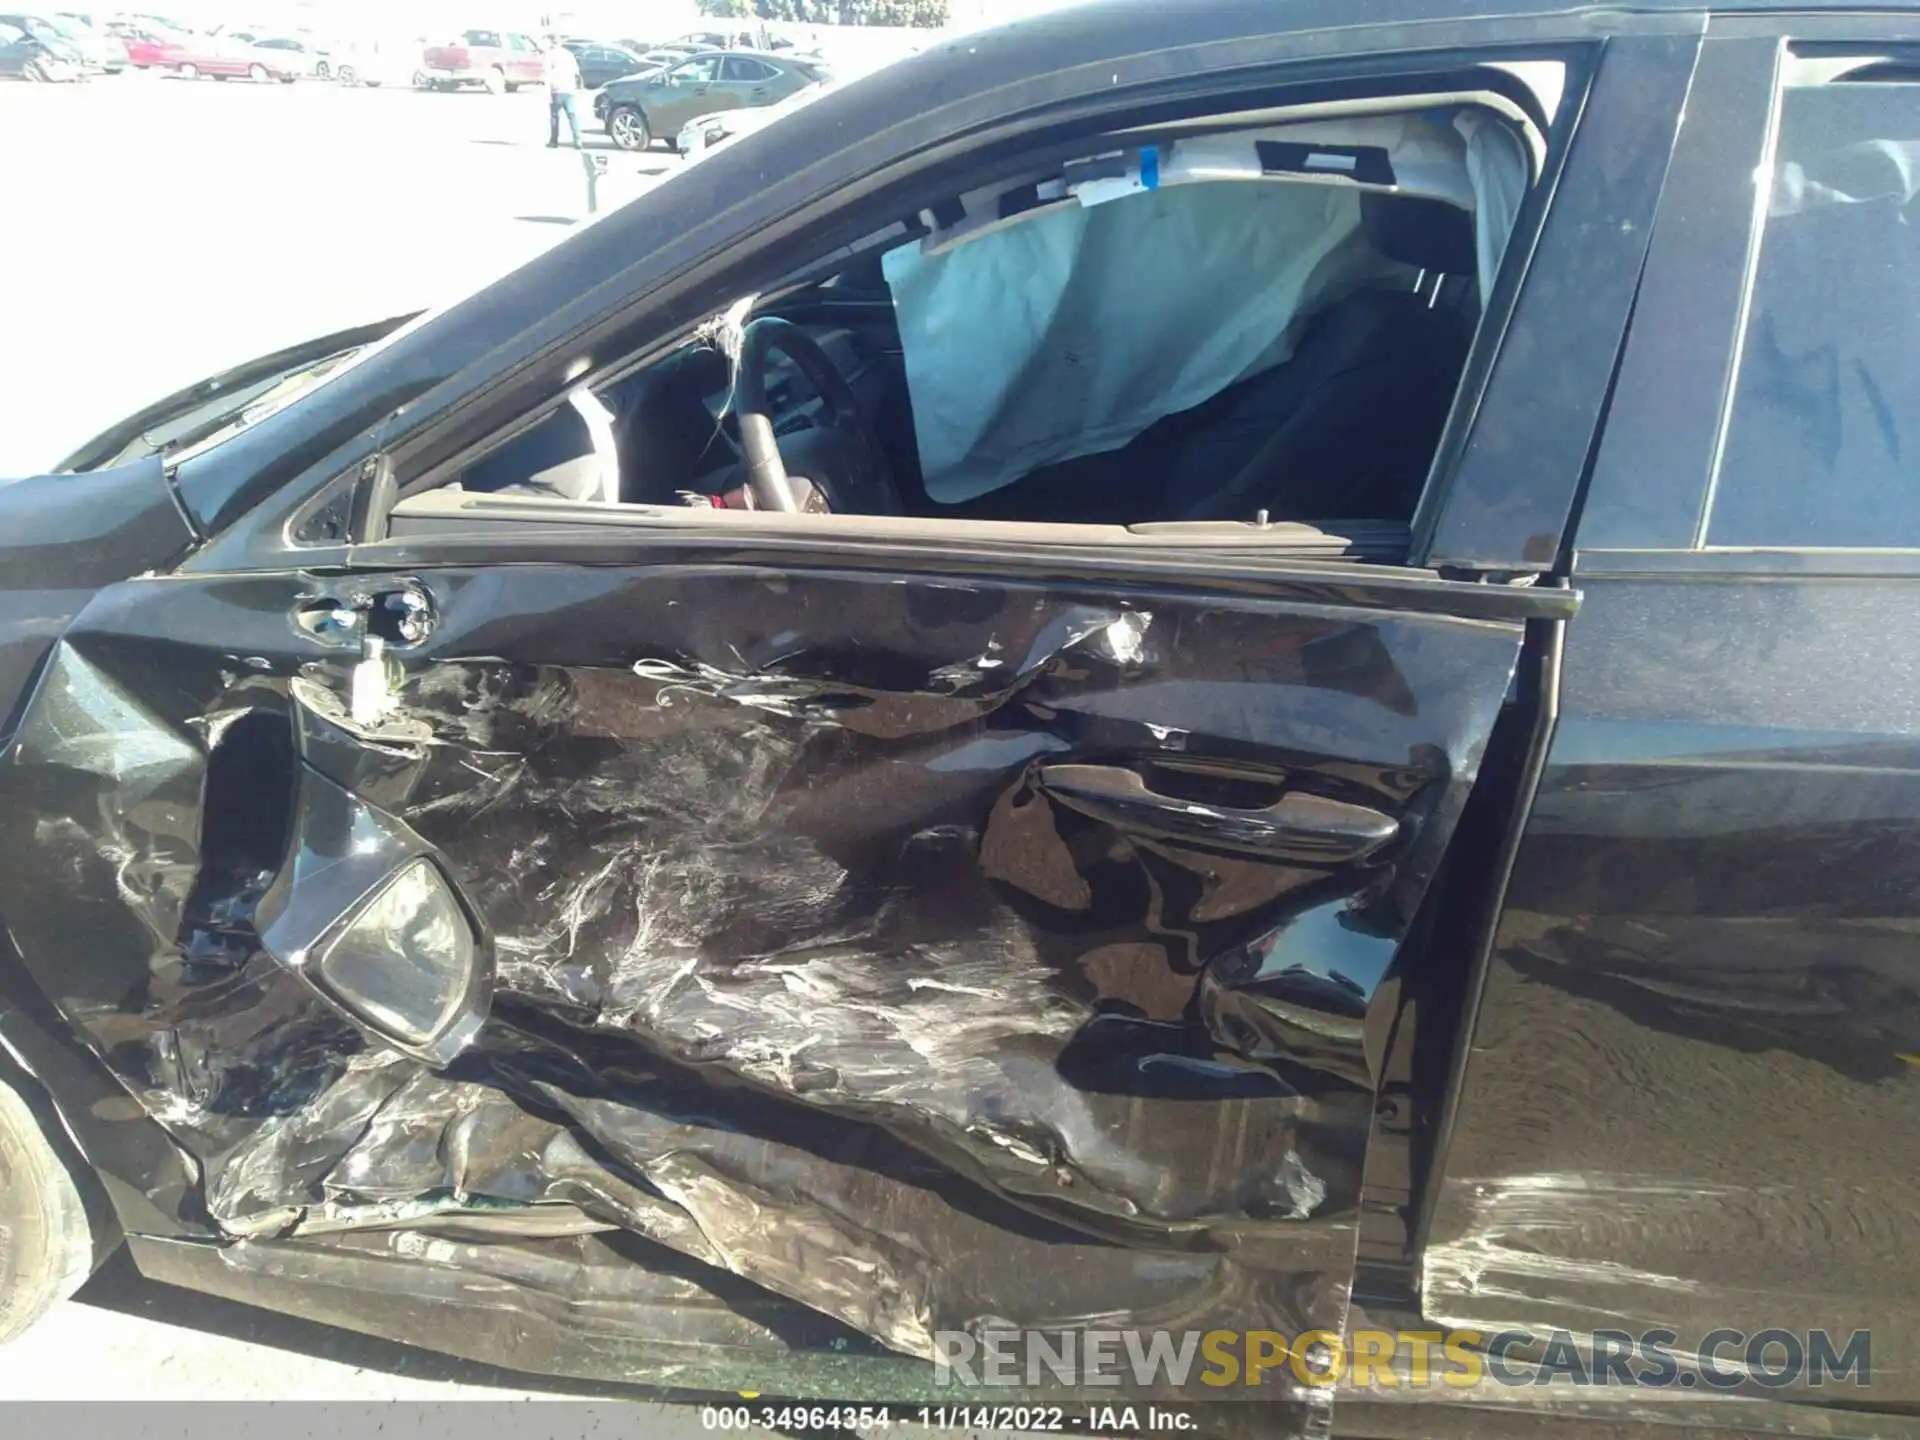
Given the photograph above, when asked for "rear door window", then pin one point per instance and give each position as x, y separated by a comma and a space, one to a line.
746, 70
1821, 445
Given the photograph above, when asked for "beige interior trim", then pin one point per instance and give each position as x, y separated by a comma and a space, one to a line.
1336, 538
1344, 109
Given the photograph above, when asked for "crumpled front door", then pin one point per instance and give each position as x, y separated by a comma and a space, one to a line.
930, 955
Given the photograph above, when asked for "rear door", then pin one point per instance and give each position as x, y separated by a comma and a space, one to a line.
1712, 906
934, 938
747, 82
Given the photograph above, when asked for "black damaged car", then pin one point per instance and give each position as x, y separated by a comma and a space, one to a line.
1178, 669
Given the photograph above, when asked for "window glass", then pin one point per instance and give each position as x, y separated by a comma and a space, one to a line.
486, 39
739, 67
521, 43
1822, 446
695, 72
1074, 344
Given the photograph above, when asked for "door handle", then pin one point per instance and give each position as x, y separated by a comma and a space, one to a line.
1297, 826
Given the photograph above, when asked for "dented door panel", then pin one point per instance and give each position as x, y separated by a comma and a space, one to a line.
807, 969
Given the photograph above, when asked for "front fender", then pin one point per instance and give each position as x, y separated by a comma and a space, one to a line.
62, 539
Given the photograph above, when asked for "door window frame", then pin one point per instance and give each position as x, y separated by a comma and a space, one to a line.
1280, 537
687, 64
1606, 74
1647, 509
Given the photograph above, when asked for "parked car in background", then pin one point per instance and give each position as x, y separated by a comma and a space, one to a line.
648, 47
233, 60
600, 62
149, 46
100, 52
705, 133
743, 39
642, 108
499, 61
37, 53
296, 51
374, 63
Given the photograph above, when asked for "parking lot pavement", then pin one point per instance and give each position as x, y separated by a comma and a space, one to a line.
156, 230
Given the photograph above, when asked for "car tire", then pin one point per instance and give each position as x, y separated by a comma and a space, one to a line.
188, 72
422, 80
496, 81
627, 125
258, 74
322, 70
35, 70
46, 1244
346, 75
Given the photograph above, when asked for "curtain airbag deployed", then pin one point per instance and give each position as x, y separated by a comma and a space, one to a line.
1104, 305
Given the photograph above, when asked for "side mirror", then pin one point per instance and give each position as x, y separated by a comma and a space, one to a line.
369, 915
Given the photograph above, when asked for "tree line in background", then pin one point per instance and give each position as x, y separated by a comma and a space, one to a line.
925, 13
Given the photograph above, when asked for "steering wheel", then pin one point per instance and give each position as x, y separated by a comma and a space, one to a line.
859, 482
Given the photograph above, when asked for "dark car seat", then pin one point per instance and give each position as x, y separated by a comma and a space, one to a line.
1346, 429
665, 433
1351, 422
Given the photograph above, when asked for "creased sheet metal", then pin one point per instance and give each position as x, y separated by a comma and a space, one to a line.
801, 975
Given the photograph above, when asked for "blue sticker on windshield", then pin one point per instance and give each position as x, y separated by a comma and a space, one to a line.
1150, 167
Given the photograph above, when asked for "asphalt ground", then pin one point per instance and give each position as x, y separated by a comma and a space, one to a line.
154, 230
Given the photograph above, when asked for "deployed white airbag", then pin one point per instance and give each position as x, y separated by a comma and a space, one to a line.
1069, 329
1071, 333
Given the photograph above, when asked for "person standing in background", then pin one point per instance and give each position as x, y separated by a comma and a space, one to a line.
562, 75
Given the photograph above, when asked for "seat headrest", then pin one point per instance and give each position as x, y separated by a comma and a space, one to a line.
1420, 231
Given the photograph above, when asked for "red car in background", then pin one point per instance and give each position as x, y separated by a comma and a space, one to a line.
498, 60
199, 55
148, 48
